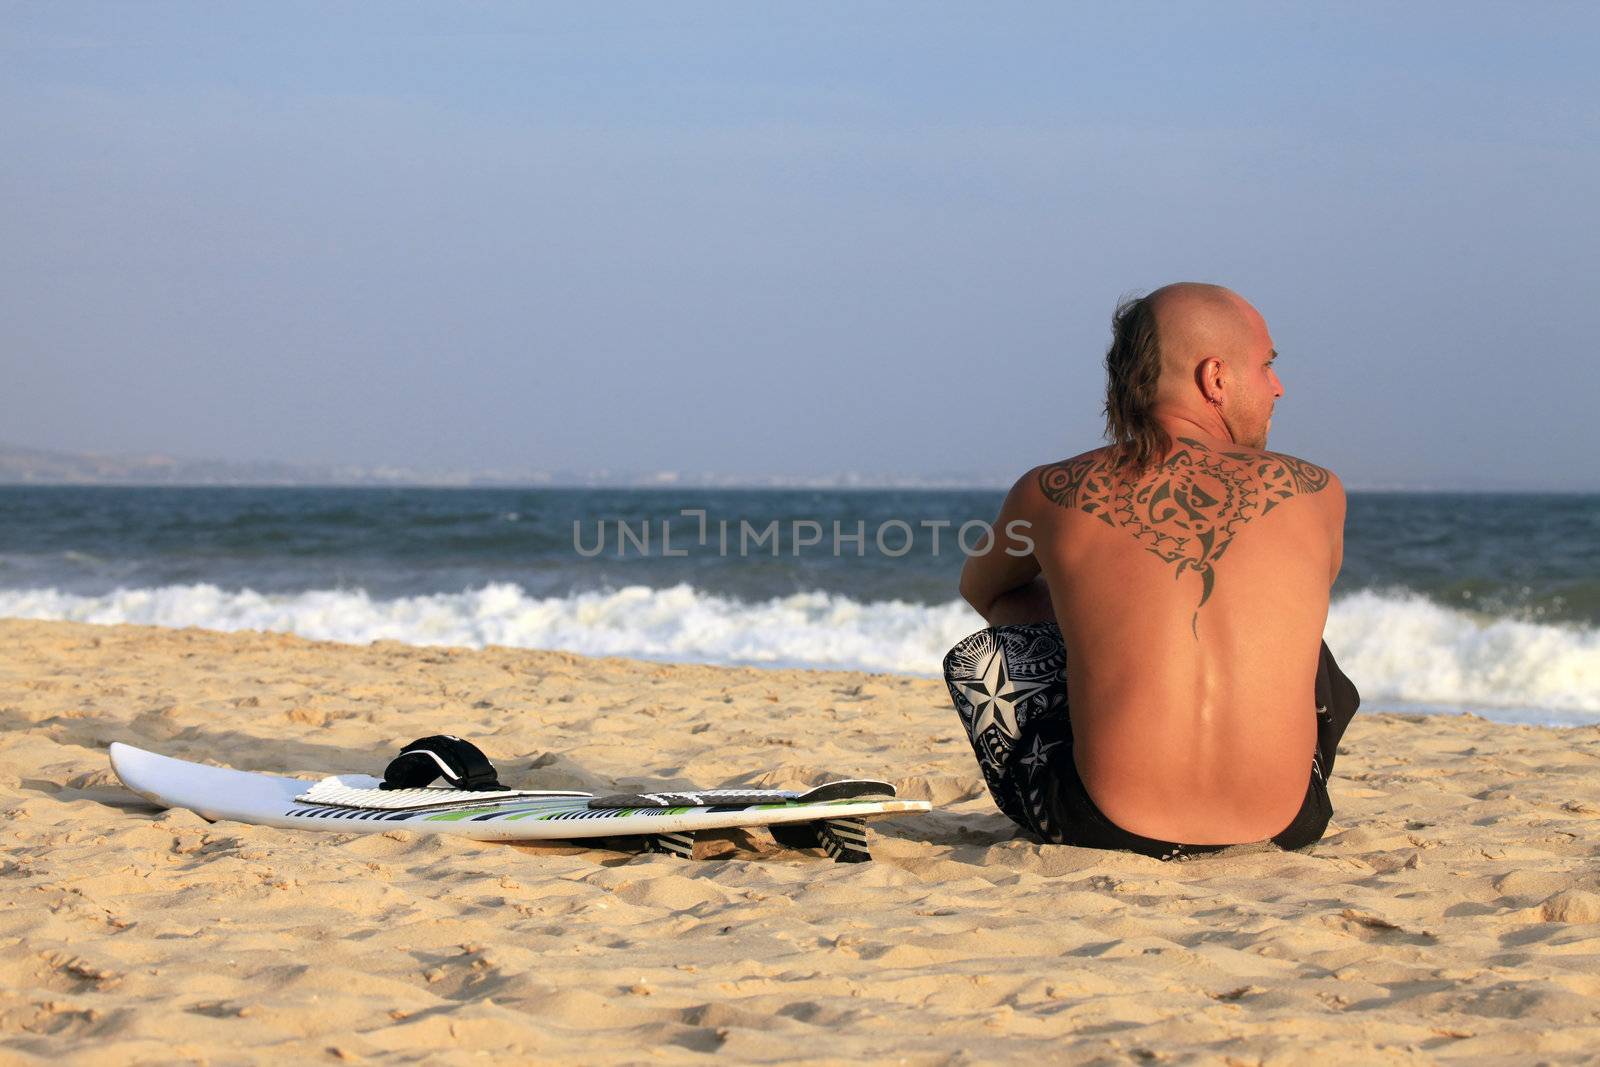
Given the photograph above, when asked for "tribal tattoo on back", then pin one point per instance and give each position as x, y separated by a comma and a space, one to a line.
1187, 510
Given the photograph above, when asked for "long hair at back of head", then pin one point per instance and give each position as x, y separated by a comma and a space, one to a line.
1133, 368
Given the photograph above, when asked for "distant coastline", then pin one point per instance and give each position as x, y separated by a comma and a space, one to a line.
47, 467
38, 467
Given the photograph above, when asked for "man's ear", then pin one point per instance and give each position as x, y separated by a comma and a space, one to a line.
1208, 376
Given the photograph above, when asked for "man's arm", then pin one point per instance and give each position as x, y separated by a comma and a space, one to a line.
1001, 579
1030, 603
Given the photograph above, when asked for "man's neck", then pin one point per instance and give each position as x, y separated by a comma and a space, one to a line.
1207, 423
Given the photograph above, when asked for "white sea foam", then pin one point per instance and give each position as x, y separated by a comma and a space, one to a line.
1401, 650
1405, 648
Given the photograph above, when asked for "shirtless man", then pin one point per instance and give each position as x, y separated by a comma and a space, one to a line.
1188, 570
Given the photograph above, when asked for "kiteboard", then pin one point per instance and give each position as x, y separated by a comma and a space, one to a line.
831, 817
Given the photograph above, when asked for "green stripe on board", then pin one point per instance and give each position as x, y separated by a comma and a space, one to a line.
457, 816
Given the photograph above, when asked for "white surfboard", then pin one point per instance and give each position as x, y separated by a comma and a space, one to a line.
667, 821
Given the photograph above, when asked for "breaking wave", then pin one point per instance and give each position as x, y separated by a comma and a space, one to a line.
1403, 651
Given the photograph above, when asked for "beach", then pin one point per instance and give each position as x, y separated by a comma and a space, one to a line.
1451, 912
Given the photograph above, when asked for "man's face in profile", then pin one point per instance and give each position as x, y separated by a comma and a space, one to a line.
1252, 385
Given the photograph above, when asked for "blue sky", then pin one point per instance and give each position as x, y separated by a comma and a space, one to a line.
790, 239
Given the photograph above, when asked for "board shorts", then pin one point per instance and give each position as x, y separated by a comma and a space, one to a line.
1009, 685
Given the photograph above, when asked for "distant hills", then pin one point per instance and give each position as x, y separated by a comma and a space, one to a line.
32, 466
35, 466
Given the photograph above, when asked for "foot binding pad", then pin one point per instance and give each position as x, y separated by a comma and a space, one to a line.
458, 762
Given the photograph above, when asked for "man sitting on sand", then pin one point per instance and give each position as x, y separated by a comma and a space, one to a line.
1188, 570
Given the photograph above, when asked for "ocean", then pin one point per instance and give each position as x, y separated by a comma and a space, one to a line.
1487, 603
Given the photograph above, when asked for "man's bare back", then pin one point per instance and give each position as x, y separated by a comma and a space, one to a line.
1191, 600
1191, 592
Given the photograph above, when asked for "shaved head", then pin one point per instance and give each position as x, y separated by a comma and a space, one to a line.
1189, 355
1195, 322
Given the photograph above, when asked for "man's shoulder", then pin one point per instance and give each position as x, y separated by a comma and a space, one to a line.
1281, 474
1087, 480
1308, 477
1082, 465
1070, 482
1272, 477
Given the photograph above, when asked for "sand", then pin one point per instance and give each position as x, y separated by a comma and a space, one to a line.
1451, 913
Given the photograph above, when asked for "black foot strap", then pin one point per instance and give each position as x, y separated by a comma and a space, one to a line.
458, 762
